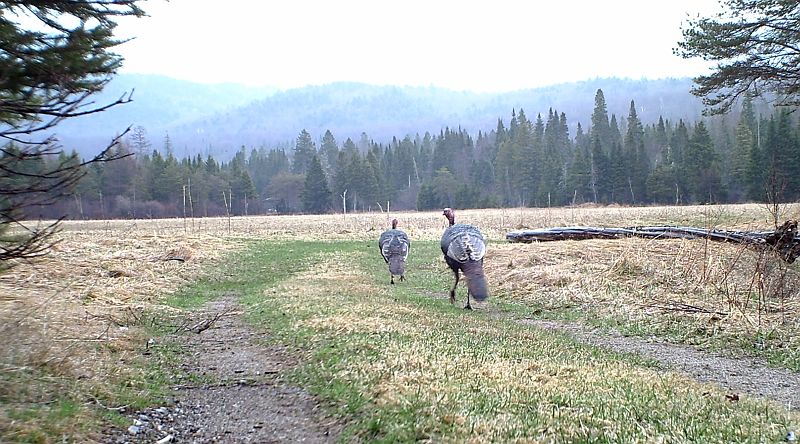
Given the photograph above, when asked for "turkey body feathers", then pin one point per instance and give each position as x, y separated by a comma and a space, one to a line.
463, 242
394, 243
463, 247
394, 246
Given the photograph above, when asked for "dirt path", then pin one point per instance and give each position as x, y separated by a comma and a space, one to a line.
748, 376
241, 398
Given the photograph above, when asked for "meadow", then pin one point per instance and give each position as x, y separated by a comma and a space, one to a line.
399, 363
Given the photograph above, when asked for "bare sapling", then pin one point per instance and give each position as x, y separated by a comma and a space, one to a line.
774, 203
191, 204
184, 209
227, 203
344, 203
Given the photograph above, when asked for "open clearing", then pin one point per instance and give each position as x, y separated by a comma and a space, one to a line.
307, 341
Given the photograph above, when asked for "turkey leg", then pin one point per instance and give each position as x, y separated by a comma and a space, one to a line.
453, 290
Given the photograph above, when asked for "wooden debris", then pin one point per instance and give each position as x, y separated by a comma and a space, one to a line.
688, 308
784, 240
203, 325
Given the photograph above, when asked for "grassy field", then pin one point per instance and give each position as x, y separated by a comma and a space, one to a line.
398, 362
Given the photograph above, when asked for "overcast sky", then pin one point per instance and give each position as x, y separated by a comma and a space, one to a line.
463, 45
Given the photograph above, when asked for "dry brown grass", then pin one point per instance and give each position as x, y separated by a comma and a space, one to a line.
76, 312
695, 290
76, 315
96, 281
102, 273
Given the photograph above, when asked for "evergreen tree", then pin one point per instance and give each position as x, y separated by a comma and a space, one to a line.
579, 176
600, 171
445, 186
359, 177
754, 45
702, 180
53, 57
551, 192
467, 195
661, 138
168, 150
349, 147
453, 150
426, 199
618, 185
117, 177
168, 185
742, 151
661, 184
781, 160
373, 186
330, 151
638, 165
316, 195
505, 167
402, 169
242, 191
679, 145
425, 159
600, 126
582, 140
277, 162
482, 175
616, 135
526, 153
304, 150
255, 166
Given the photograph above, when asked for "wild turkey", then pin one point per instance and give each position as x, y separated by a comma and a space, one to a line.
394, 246
463, 247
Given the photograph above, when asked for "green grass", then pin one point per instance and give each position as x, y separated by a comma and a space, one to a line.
43, 405
50, 418
250, 271
401, 364
772, 346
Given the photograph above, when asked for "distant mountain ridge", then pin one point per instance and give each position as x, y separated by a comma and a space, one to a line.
220, 119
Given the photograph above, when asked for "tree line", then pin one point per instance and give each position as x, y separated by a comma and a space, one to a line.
526, 162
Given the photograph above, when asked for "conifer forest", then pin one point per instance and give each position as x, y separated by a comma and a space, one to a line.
543, 160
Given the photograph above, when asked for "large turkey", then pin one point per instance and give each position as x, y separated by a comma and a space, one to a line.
463, 247
394, 246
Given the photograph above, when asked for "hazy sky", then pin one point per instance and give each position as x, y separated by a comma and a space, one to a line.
464, 45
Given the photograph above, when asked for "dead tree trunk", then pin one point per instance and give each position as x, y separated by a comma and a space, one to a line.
784, 240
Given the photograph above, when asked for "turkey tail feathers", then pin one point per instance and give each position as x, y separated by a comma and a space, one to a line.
397, 265
476, 280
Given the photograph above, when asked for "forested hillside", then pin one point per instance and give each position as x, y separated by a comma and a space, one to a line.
218, 120
524, 160
158, 103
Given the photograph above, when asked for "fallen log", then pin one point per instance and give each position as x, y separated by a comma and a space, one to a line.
784, 240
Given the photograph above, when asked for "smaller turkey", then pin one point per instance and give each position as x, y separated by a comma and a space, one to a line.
394, 245
463, 247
